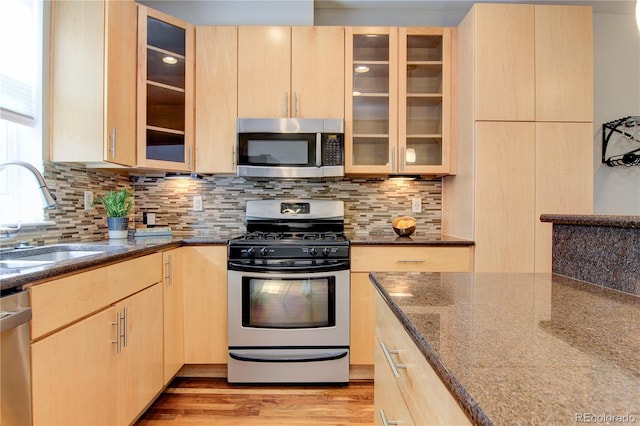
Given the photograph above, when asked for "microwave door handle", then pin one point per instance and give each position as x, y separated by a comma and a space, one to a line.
318, 149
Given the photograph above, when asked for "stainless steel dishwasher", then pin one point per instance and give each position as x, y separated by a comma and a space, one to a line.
15, 360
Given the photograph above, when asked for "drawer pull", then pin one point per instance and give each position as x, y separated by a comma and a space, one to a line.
119, 332
393, 365
411, 261
387, 422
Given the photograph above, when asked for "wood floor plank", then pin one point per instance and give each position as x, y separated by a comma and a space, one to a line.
207, 401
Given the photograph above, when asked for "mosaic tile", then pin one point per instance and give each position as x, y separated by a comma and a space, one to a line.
370, 204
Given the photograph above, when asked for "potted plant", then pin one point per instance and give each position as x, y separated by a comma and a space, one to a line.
117, 204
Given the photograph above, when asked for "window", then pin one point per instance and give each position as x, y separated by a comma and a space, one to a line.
21, 44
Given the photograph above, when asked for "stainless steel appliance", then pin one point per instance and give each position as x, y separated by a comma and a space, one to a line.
15, 360
290, 148
288, 294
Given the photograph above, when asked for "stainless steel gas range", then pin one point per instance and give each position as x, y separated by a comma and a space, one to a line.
288, 294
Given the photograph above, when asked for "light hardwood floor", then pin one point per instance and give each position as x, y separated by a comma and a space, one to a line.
204, 401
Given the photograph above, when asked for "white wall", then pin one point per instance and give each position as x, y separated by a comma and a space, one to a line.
616, 95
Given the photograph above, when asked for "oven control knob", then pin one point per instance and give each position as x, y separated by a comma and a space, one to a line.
251, 252
312, 251
263, 251
325, 251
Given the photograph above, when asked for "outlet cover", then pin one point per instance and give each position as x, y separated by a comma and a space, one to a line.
88, 200
416, 205
197, 203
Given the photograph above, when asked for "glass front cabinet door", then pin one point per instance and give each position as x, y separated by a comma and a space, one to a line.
165, 91
398, 101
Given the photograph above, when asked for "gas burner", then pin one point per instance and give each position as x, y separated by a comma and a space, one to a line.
292, 236
323, 236
263, 236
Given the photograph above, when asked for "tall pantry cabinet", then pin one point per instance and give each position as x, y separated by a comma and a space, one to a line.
524, 116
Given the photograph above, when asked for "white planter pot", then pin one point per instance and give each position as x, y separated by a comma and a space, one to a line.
118, 227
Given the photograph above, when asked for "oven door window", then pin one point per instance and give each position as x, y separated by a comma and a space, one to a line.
288, 303
282, 149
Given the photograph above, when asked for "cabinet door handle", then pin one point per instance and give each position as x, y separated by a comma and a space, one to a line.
387, 422
402, 159
233, 157
169, 275
125, 332
387, 354
112, 136
118, 325
286, 104
411, 261
295, 104
393, 159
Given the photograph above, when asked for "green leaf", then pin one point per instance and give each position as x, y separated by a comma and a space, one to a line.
116, 203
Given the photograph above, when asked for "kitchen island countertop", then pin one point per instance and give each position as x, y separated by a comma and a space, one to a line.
536, 349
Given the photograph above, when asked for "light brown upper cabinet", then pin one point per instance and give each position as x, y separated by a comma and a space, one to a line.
216, 98
564, 63
504, 62
165, 91
532, 63
398, 100
291, 72
93, 82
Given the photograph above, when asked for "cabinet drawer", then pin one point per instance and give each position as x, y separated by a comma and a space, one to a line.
388, 401
429, 401
65, 300
411, 259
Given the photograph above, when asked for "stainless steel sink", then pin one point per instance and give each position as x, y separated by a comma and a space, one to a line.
22, 264
56, 256
39, 256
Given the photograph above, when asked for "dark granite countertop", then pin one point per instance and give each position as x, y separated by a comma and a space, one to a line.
619, 221
119, 250
534, 349
418, 238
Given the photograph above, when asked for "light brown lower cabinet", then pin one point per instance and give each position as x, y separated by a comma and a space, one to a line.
89, 373
406, 389
72, 374
173, 262
366, 259
204, 274
139, 369
97, 353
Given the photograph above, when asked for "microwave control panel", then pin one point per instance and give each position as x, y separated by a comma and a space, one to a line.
332, 149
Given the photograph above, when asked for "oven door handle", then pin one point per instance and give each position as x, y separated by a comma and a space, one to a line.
328, 356
339, 266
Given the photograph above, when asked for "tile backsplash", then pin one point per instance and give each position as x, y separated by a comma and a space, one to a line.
370, 204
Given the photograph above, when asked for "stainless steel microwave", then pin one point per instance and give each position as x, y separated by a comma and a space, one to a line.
290, 148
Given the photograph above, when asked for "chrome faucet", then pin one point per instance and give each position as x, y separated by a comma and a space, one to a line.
48, 199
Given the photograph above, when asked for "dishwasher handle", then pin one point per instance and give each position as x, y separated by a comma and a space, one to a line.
13, 319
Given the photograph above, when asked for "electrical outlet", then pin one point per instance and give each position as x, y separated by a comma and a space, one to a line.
197, 203
88, 200
416, 205
149, 219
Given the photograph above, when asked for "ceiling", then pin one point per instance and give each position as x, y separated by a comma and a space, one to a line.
599, 6
347, 12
